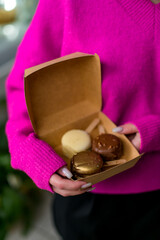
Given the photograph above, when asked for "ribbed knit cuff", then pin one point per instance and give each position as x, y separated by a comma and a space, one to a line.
43, 161
33, 156
149, 128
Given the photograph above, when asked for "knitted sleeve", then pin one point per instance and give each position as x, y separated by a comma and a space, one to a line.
42, 42
149, 128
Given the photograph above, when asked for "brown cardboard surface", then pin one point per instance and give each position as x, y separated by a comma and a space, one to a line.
61, 91
65, 94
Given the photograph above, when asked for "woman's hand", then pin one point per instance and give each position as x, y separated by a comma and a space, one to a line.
132, 133
67, 187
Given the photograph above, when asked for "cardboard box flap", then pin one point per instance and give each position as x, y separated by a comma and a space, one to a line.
64, 58
62, 90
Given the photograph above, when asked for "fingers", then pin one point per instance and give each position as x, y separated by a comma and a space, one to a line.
67, 193
66, 187
126, 129
132, 132
136, 141
63, 183
131, 136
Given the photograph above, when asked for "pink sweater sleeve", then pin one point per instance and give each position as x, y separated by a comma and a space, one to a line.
42, 42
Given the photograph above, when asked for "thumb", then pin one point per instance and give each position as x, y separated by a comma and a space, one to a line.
127, 128
63, 171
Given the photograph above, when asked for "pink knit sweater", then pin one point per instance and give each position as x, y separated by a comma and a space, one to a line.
126, 36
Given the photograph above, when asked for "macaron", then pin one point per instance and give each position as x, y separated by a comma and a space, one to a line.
86, 163
75, 141
109, 146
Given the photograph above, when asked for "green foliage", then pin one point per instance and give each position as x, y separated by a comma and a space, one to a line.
18, 194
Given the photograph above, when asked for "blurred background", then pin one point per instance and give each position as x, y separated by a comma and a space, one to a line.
24, 209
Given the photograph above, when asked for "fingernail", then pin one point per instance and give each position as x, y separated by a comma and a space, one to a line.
86, 185
117, 129
67, 173
90, 189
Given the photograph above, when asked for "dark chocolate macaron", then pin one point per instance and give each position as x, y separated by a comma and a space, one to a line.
86, 163
108, 145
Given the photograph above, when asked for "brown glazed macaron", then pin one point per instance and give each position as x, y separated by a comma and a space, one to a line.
86, 163
108, 145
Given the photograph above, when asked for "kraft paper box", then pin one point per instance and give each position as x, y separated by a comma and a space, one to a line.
65, 94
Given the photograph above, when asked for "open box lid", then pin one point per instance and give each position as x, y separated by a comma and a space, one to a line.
63, 90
